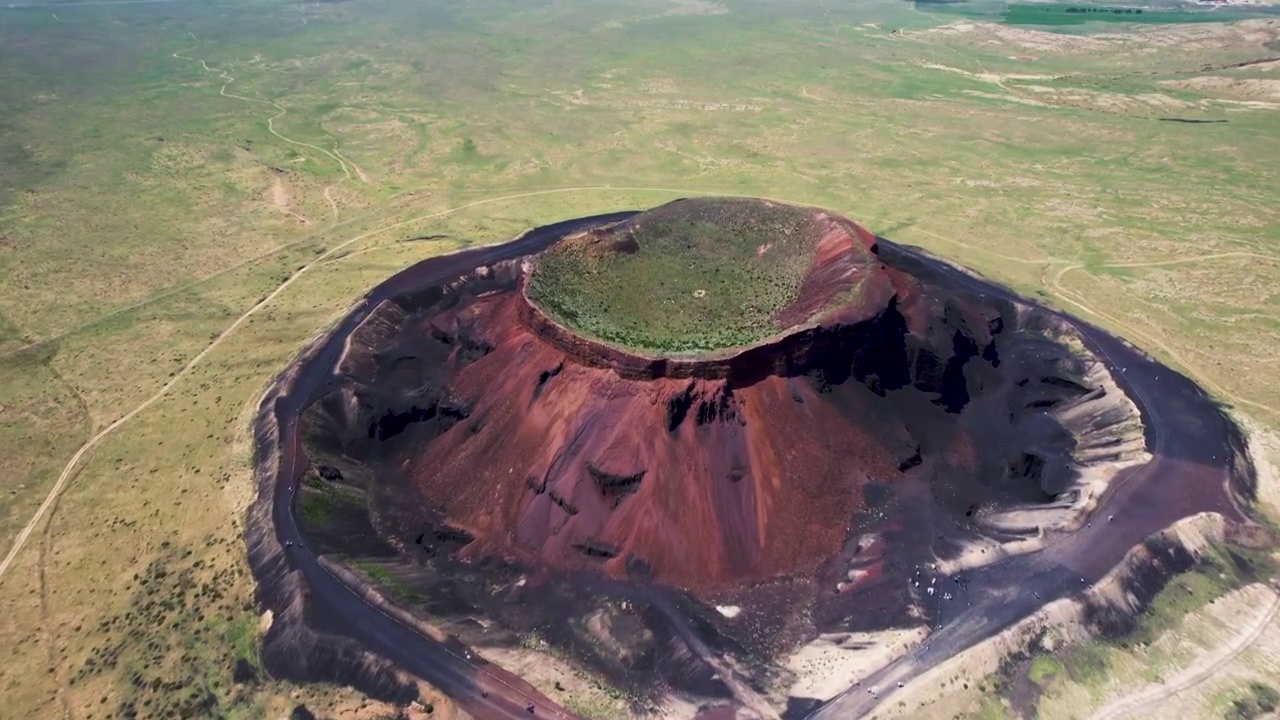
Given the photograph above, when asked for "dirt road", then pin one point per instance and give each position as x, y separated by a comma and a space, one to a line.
1142, 702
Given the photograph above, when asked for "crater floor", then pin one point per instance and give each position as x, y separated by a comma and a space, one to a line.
702, 275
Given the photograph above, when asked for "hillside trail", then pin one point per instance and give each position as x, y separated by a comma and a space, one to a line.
998, 79
62, 687
334, 155
1141, 703
404, 195
994, 78
333, 205
175, 290
227, 79
1193, 676
1074, 298
51, 500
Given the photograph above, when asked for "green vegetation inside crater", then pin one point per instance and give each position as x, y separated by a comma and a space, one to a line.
320, 501
139, 220
699, 281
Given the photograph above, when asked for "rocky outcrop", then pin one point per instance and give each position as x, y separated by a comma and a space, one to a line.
358, 358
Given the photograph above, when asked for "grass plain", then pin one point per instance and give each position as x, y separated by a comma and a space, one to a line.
190, 191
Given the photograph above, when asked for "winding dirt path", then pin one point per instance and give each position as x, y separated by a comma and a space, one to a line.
1144, 701
1177, 261
343, 162
1141, 701
1054, 285
1075, 299
364, 177
328, 197
227, 79
170, 292
992, 253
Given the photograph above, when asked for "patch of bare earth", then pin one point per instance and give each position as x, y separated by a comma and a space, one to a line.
1264, 450
1199, 36
947, 687
1063, 96
564, 683
1234, 88
280, 196
1108, 101
678, 8
1214, 641
831, 664
1034, 41
1018, 41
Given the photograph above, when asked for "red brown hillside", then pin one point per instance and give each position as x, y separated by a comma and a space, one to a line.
887, 403
706, 473
704, 483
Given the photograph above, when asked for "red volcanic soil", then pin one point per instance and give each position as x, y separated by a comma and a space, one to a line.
704, 484
702, 474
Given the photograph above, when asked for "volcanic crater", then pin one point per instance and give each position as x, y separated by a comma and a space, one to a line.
611, 439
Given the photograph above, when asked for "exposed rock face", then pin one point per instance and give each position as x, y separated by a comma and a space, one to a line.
813, 454
676, 476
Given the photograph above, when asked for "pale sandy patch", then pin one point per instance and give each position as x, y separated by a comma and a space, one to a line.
544, 671
1253, 88
832, 663
1264, 451
282, 199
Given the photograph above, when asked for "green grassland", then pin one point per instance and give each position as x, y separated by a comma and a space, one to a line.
167, 167
1058, 676
702, 275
